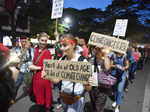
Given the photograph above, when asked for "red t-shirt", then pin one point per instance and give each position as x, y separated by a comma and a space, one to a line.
136, 56
85, 51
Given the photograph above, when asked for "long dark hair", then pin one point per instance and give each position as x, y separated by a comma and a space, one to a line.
6, 78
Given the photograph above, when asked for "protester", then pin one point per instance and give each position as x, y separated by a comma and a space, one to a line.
98, 94
119, 65
7, 84
141, 61
58, 52
79, 48
132, 66
137, 56
71, 88
25, 54
41, 87
91, 51
147, 55
84, 47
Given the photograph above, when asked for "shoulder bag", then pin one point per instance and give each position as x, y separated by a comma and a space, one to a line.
105, 79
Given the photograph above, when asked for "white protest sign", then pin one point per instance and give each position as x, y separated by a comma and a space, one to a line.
57, 9
120, 27
115, 44
7, 41
68, 70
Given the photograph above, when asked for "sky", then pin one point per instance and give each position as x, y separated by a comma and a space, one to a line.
83, 4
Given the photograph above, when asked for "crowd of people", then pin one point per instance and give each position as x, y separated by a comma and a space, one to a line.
31, 60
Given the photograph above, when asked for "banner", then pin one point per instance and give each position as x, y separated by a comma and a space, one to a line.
120, 27
68, 70
57, 9
105, 41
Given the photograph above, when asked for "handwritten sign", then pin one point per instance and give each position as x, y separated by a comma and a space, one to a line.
68, 70
120, 27
57, 9
115, 44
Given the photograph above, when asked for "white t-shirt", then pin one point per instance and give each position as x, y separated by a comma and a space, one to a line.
67, 86
79, 49
95, 75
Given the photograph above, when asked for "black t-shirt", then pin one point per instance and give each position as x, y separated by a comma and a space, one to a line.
7, 89
4, 98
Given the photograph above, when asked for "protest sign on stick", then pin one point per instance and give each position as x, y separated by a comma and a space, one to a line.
112, 43
57, 9
68, 70
120, 27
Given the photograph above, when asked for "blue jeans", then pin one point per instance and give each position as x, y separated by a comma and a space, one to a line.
19, 79
78, 106
132, 70
118, 93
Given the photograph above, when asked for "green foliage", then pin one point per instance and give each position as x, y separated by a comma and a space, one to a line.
135, 12
83, 22
40, 14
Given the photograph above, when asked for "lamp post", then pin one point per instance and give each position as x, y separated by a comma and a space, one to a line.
66, 23
67, 20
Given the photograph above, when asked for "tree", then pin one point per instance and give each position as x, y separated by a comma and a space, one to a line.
84, 21
136, 11
40, 13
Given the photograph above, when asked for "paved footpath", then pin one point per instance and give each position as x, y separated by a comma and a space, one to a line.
137, 99
134, 99
146, 102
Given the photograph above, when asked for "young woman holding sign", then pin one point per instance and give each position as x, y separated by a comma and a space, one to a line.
41, 87
98, 94
71, 93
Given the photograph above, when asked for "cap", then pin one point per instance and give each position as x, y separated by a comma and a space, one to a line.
23, 37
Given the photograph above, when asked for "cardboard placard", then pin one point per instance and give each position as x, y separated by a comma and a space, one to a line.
68, 70
115, 44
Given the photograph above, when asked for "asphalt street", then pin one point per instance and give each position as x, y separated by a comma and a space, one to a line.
137, 99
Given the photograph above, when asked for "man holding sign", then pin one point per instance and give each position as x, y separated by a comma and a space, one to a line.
72, 91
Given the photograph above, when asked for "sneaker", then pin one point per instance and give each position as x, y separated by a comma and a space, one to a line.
126, 89
114, 104
12, 102
58, 106
117, 110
